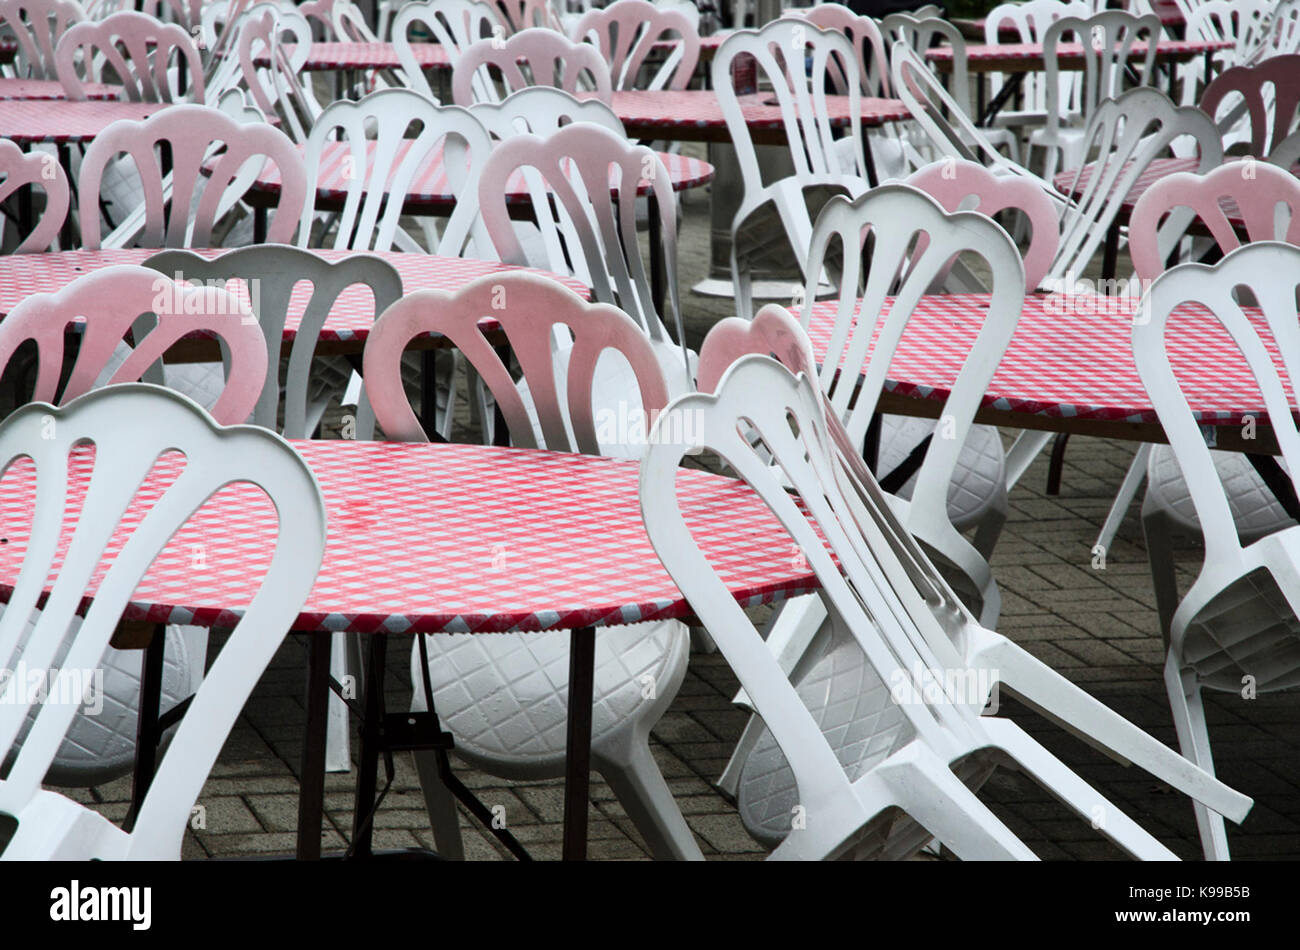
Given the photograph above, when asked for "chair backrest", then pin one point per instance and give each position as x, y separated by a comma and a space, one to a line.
455, 24
796, 61
968, 186
36, 26
19, 169
920, 33
536, 57
590, 178
1030, 21
1265, 94
275, 87
134, 429
1267, 270
350, 24
378, 163
1107, 39
193, 134
274, 277
115, 303
1283, 36
946, 125
541, 110
1126, 134
1242, 22
760, 414
628, 32
898, 273
137, 50
520, 15
864, 33
1261, 198
529, 309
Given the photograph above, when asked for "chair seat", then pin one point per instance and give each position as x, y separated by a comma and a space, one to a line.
1247, 629
504, 696
977, 480
1254, 508
863, 725
100, 743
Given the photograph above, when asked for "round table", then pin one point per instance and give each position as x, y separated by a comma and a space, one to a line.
350, 318
1069, 368
430, 192
356, 56
425, 538
695, 115
1028, 57
47, 89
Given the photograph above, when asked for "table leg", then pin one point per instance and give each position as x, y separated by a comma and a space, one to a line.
311, 781
147, 730
1110, 254
67, 238
577, 759
656, 258
1278, 482
368, 767
259, 225
872, 178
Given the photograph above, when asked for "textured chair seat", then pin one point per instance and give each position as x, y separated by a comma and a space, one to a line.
1245, 630
1254, 508
505, 696
981, 467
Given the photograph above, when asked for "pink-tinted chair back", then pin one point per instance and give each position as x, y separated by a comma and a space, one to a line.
528, 309
137, 49
772, 332
1270, 92
36, 26
864, 34
19, 169
194, 135
627, 31
109, 302
1243, 195
531, 58
953, 184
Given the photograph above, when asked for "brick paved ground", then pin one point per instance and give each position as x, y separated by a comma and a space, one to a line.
1098, 627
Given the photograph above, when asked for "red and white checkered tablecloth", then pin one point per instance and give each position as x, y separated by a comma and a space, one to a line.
430, 186
350, 318
428, 538
45, 89
325, 56
60, 121
699, 109
1159, 168
1071, 357
1071, 52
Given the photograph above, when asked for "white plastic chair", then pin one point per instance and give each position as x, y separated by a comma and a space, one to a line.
114, 302
198, 199
51, 826
820, 157
627, 32
1031, 20
589, 177
138, 51
1267, 202
1237, 625
504, 696
382, 162
1243, 23
36, 27
276, 88
542, 110
35, 170
455, 24
536, 57
852, 735
1106, 39
520, 15
864, 33
1261, 101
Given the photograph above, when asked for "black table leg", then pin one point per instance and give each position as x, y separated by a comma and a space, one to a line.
656, 257
311, 782
147, 730
1278, 482
872, 178
577, 760
67, 238
1110, 254
368, 767
259, 225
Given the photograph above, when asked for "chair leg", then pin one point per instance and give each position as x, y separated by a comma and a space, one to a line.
338, 755
441, 805
1128, 489
1057, 463
1073, 791
644, 795
729, 781
1194, 740
1022, 453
